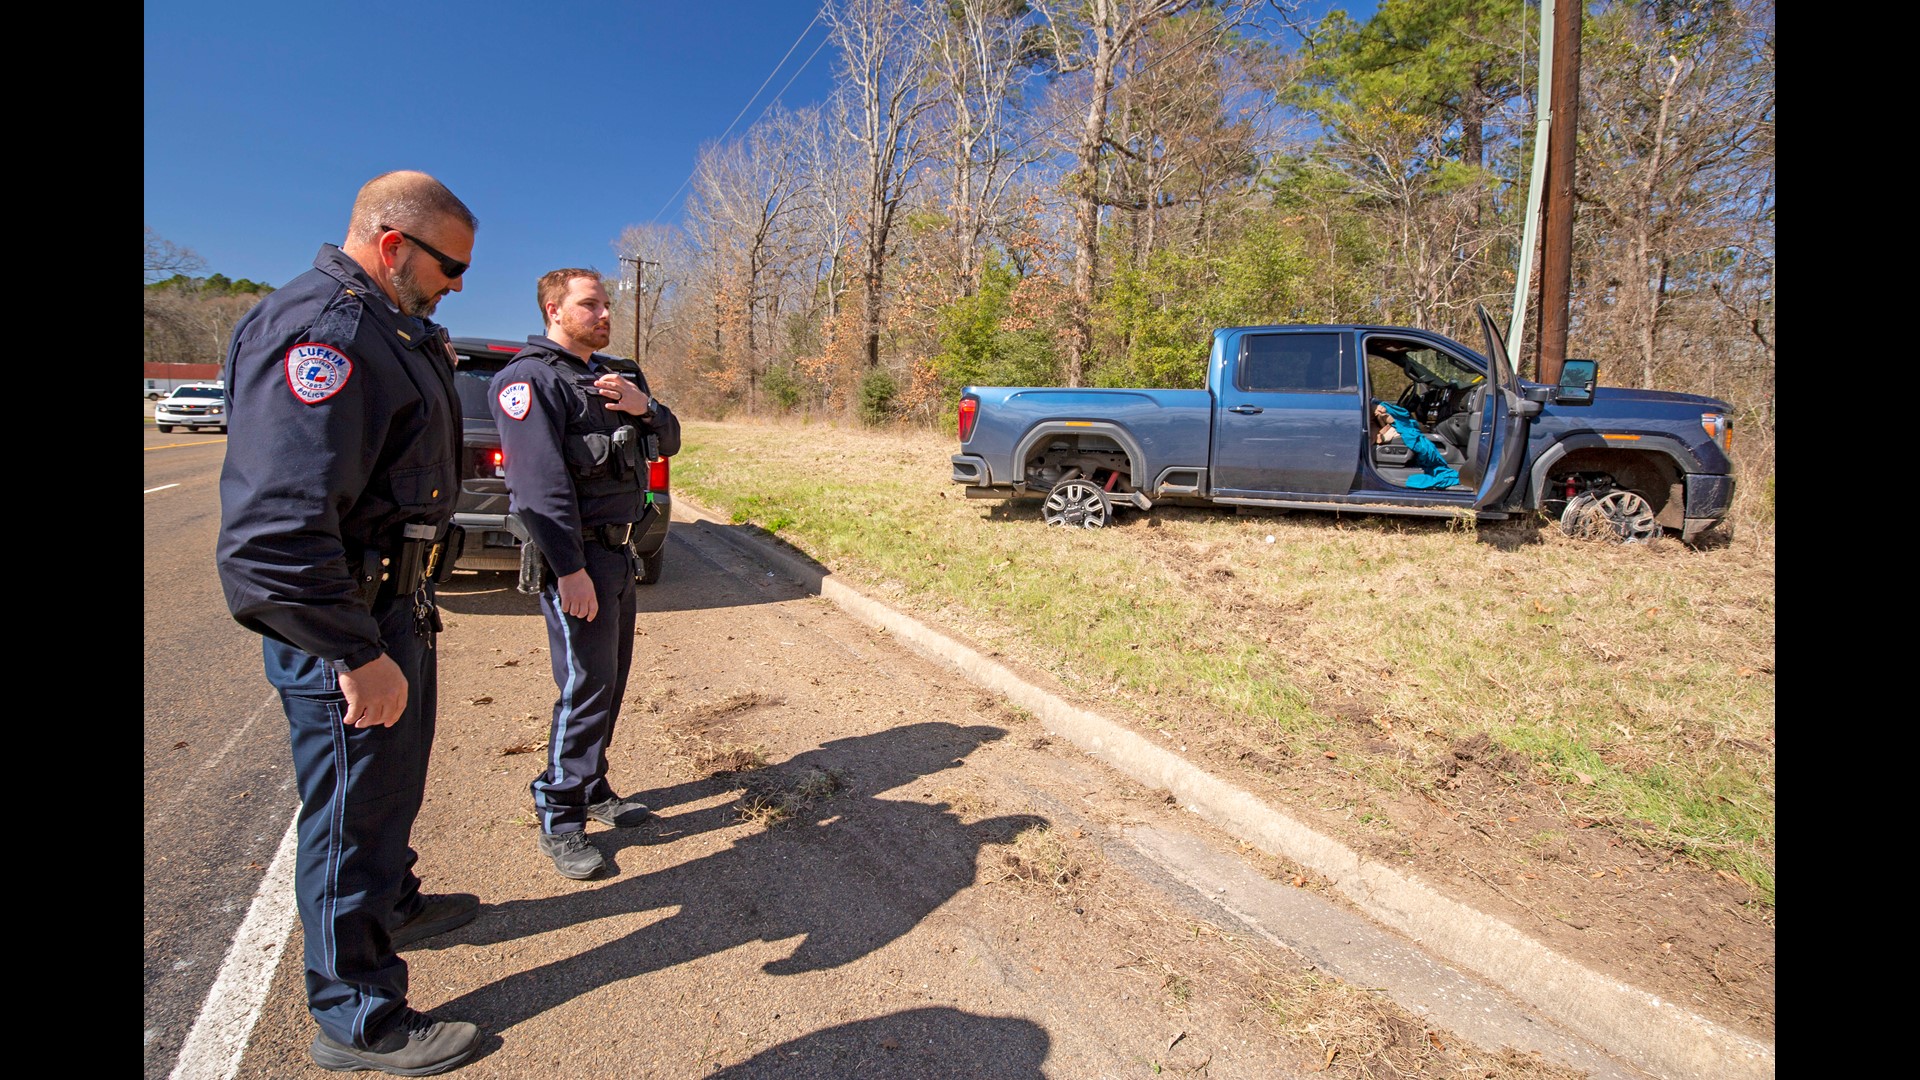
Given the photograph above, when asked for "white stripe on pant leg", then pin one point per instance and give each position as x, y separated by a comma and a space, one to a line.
219, 1036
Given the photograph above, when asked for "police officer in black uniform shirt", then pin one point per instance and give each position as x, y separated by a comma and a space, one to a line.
573, 434
335, 499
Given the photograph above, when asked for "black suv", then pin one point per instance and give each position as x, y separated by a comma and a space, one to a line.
481, 512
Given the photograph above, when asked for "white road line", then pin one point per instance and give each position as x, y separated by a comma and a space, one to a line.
162, 487
219, 1037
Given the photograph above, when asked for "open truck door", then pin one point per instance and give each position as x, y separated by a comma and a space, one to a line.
1503, 418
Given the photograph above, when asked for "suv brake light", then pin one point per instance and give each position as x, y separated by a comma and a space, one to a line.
657, 474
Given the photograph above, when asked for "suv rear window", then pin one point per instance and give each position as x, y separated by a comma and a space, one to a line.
479, 360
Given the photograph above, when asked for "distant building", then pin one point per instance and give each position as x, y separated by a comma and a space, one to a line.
162, 378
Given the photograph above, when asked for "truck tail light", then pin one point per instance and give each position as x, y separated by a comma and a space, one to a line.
657, 474
969, 411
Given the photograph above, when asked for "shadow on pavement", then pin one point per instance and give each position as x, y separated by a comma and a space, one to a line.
916, 1044
845, 870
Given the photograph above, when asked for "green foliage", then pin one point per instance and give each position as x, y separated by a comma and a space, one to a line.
877, 392
976, 349
1158, 321
781, 387
210, 286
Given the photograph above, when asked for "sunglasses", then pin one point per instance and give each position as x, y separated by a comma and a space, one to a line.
449, 265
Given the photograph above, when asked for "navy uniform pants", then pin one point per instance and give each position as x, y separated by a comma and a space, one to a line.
590, 661
360, 790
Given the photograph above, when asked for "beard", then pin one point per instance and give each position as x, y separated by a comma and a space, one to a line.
594, 335
414, 300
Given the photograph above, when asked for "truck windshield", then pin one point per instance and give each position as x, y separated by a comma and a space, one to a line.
1434, 366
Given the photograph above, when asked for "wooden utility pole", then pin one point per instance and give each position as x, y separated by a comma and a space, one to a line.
639, 289
1556, 241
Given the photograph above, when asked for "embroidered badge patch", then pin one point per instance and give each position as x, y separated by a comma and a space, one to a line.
316, 372
516, 399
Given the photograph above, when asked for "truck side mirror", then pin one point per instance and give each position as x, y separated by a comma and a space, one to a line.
1577, 378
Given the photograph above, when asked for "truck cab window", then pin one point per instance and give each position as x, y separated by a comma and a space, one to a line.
1294, 362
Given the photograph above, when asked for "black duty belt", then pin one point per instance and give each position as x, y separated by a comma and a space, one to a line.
613, 536
399, 569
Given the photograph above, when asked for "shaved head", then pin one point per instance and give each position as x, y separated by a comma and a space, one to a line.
404, 199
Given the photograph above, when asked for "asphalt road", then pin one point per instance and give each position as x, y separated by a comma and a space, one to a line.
219, 779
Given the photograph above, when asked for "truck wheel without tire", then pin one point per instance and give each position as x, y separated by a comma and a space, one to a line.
1076, 504
1617, 515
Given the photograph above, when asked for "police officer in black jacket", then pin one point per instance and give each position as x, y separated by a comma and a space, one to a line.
574, 434
335, 497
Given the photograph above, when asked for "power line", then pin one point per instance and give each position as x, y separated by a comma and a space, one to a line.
756, 95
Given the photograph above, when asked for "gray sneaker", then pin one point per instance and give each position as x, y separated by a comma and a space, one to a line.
415, 1044
571, 854
619, 812
438, 914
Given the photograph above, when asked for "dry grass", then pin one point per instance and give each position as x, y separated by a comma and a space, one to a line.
1038, 856
773, 798
1638, 681
1356, 1032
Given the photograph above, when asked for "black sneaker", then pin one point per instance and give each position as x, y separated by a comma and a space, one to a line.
415, 1044
571, 854
619, 812
439, 914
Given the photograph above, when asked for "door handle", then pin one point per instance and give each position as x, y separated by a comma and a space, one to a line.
1246, 410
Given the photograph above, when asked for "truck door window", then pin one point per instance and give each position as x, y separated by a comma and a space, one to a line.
1294, 362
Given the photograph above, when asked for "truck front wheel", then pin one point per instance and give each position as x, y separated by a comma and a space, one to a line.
1619, 515
1076, 504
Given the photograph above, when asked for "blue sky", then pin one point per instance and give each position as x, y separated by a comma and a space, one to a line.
559, 125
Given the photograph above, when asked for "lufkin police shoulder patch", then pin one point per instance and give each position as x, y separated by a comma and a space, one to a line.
316, 372
516, 399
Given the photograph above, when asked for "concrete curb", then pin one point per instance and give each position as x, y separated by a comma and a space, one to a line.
1641, 1028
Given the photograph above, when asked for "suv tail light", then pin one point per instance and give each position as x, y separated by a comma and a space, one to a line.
657, 474
969, 411
488, 461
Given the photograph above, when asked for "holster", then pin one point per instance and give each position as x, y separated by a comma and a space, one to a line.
535, 573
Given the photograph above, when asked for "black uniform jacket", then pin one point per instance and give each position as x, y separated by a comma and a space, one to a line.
564, 472
343, 426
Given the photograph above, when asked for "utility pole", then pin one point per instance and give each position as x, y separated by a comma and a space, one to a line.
639, 288
1556, 242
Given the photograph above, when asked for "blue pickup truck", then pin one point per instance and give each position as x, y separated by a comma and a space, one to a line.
1287, 422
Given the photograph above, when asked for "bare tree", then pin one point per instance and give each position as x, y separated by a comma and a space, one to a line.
826, 223
659, 254
165, 258
884, 64
1676, 182
749, 195
1183, 129
979, 50
1092, 38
